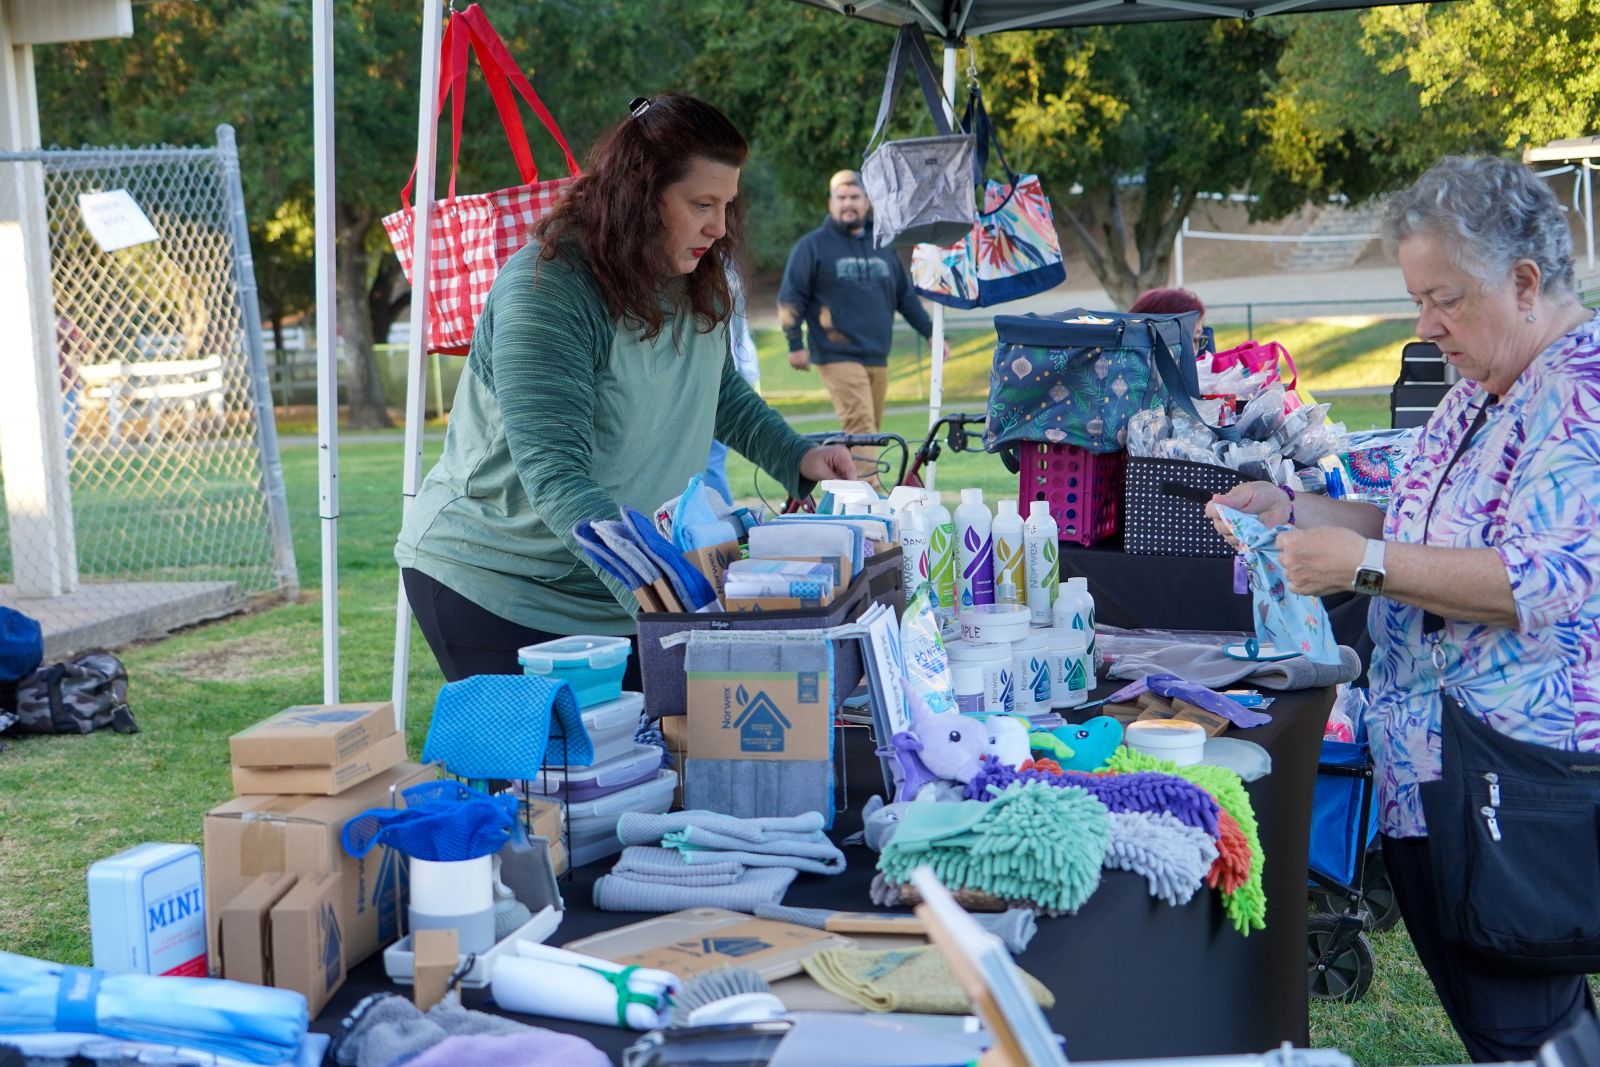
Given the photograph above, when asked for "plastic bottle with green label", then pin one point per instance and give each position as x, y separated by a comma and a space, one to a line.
941, 555
1041, 570
1008, 550
1074, 610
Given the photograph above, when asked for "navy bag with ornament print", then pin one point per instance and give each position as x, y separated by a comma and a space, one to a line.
1076, 377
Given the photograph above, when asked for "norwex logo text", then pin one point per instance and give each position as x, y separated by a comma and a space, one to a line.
169, 910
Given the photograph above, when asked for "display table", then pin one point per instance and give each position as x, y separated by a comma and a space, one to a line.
1187, 593
1132, 976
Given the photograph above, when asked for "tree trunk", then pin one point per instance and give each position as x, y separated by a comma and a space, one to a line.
1099, 225
390, 294
364, 394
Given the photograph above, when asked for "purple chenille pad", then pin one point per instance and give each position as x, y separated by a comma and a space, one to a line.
1140, 791
1170, 685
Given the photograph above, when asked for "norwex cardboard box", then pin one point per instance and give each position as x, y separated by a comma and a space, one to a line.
842, 575
247, 931
255, 835
370, 761
713, 562
755, 604
312, 735
307, 941
777, 715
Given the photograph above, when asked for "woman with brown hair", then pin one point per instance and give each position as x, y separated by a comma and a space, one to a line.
598, 376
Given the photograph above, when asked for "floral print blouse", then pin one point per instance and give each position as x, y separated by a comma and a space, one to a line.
1528, 486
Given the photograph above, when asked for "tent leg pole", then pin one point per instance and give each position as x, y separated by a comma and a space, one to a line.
417, 351
936, 375
327, 296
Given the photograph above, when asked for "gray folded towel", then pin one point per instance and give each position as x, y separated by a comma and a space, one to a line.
1209, 666
708, 837
643, 863
765, 885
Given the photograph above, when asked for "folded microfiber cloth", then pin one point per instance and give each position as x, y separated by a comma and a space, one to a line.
1132, 658
1173, 857
743, 787
805, 541
498, 725
534, 1048
706, 837
613, 533
1015, 926
643, 863
595, 548
693, 589
1285, 619
909, 980
758, 885
386, 1029
1032, 842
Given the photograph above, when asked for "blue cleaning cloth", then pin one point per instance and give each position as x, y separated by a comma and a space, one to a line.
595, 548
700, 518
619, 539
1289, 622
257, 1024
692, 587
499, 725
442, 822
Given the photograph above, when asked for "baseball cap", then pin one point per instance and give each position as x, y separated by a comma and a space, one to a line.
844, 177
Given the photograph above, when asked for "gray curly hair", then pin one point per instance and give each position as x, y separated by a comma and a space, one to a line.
1489, 213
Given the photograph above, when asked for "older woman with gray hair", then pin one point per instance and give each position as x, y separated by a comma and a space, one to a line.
1485, 570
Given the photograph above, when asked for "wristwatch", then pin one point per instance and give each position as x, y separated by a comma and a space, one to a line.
1369, 576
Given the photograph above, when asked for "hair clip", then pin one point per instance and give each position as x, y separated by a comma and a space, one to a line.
638, 105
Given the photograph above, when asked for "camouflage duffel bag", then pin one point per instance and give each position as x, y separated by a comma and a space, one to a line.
78, 696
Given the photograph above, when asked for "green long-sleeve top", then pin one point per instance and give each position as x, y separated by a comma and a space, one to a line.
564, 415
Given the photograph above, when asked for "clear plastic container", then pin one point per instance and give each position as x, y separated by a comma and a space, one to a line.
575, 784
610, 726
593, 666
594, 822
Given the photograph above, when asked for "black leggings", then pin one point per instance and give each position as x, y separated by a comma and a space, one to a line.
468, 639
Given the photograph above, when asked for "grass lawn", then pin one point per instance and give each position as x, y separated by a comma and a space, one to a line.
67, 801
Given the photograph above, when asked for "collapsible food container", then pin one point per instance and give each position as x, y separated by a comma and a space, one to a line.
593, 666
610, 727
593, 824
573, 784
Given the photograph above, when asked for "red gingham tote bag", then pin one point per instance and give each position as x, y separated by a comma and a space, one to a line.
474, 235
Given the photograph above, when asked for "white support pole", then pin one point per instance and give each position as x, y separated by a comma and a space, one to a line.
936, 374
1177, 253
417, 353
327, 294
33, 452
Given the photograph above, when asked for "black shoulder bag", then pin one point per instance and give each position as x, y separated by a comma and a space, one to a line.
1513, 835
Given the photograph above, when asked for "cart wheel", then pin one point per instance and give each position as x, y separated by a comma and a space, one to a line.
1336, 971
1382, 908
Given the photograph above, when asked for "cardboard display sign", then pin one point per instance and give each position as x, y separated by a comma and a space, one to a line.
704, 939
776, 715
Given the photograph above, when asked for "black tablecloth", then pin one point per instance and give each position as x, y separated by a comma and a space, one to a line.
1132, 976
1188, 593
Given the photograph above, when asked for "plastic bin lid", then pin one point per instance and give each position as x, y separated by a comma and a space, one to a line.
623, 769
614, 714
565, 653
610, 808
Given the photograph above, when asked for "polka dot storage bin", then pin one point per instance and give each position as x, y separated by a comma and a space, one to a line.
1084, 488
1163, 507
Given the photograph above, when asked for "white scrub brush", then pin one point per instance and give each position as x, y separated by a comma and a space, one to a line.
726, 995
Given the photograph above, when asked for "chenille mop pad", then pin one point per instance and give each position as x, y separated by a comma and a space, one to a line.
754, 788
911, 980
1173, 857
1246, 904
1031, 842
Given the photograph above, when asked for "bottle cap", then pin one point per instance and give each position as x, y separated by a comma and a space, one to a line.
972, 496
1038, 509
1006, 593
1077, 585
1008, 507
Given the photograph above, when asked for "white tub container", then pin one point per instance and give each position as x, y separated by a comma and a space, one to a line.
1184, 743
996, 663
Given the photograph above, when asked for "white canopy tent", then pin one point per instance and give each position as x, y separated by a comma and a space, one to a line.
951, 20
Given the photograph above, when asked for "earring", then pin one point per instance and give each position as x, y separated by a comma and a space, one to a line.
1532, 317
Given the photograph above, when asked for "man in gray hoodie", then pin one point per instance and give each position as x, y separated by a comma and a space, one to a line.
837, 306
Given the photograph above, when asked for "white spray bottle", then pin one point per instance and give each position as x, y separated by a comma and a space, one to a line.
1041, 545
912, 521
974, 551
941, 555
1008, 551
1080, 589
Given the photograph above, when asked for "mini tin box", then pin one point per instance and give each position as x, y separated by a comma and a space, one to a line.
147, 912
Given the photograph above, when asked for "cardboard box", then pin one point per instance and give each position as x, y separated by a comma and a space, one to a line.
713, 562
255, 835
247, 929
308, 940
675, 730
312, 735
842, 574
371, 761
436, 956
776, 715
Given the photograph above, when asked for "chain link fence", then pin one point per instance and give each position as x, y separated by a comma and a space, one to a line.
162, 407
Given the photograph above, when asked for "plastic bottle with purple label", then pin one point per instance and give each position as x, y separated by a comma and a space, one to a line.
974, 551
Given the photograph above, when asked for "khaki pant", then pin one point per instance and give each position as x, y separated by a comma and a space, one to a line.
858, 392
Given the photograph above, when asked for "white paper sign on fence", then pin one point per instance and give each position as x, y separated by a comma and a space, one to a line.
115, 220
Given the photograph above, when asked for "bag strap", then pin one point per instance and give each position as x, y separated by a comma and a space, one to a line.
909, 47
471, 28
976, 122
1294, 372
1180, 386
60, 720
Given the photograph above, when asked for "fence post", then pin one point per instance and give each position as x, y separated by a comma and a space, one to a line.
1250, 322
244, 270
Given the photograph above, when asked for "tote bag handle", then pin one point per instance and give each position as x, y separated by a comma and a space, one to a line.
909, 46
471, 28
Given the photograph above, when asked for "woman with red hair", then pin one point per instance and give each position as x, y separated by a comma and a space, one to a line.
1173, 302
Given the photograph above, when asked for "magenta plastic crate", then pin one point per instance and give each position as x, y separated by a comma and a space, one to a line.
1084, 488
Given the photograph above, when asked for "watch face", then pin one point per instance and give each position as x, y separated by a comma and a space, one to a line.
1368, 582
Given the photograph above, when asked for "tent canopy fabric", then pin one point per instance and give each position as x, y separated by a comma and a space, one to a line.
952, 19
